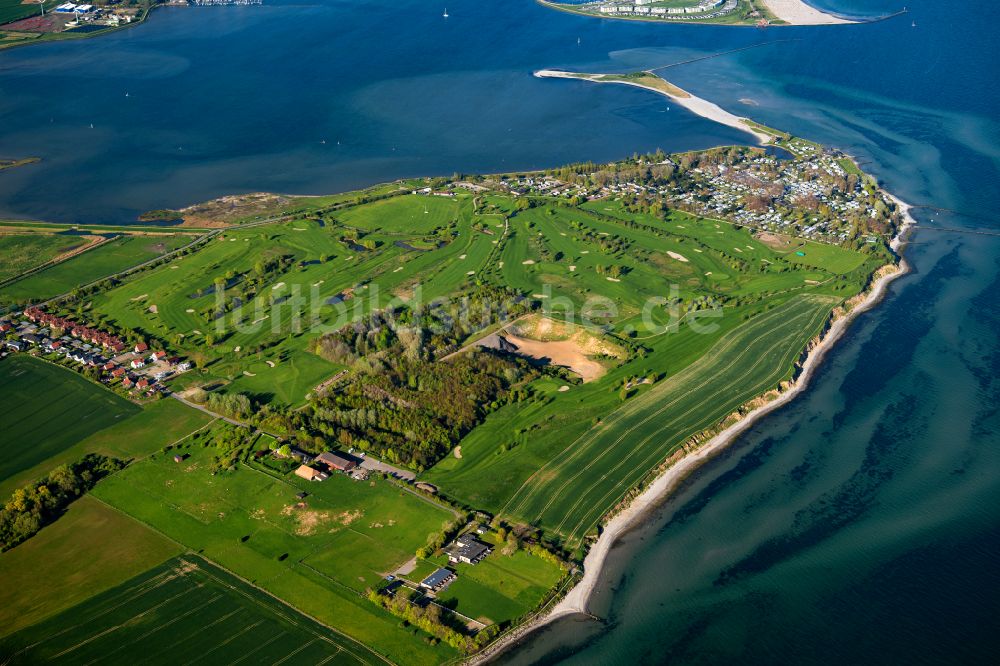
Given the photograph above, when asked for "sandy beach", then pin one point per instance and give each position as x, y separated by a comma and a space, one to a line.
693, 103
577, 599
797, 12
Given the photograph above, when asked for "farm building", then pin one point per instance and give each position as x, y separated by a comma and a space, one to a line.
438, 580
467, 549
310, 474
337, 461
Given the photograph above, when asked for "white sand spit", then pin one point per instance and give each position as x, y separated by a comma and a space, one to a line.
797, 12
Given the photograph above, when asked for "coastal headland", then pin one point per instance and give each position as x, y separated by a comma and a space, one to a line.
330, 361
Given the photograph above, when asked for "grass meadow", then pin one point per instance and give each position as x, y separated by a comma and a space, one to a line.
106, 259
155, 426
90, 549
22, 252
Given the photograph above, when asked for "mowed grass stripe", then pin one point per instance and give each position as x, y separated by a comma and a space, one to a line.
619, 489
590, 449
536, 482
682, 417
744, 351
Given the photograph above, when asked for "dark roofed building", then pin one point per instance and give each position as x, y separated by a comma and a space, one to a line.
337, 461
467, 549
438, 580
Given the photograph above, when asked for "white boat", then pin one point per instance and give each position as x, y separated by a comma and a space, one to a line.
446, 12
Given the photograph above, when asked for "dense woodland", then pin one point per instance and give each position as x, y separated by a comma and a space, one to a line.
412, 411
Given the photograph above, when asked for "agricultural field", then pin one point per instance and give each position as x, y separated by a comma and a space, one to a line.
48, 409
183, 611
90, 549
22, 252
319, 553
158, 424
106, 259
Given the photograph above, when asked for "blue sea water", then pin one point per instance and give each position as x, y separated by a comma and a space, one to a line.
859, 525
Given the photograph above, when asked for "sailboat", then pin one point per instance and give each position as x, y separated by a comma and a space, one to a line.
446, 12
914, 25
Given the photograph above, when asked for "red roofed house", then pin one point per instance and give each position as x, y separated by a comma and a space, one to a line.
127, 382
157, 356
142, 383
141, 347
137, 363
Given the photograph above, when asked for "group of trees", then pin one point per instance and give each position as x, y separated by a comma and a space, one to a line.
431, 618
32, 507
421, 332
411, 410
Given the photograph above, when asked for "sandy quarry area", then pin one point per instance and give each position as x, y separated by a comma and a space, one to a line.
566, 353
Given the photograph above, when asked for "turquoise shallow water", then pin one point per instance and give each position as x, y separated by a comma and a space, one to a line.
859, 525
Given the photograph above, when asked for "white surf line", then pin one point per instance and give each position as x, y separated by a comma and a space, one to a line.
693, 103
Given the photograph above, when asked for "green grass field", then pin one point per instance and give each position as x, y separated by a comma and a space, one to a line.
48, 409
564, 474
183, 611
90, 549
591, 474
104, 260
157, 425
497, 589
22, 252
319, 554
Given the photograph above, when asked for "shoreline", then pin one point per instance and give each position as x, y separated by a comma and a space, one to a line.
576, 601
697, 105
797, 12
788, 12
